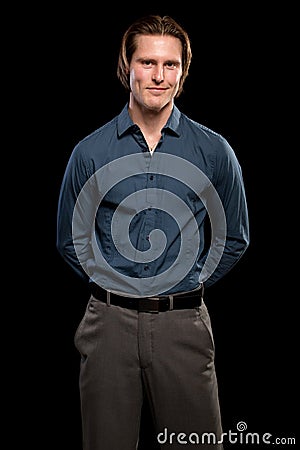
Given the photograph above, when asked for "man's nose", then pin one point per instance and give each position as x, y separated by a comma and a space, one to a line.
158, 73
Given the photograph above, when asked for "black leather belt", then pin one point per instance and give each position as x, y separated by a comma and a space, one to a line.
149, 304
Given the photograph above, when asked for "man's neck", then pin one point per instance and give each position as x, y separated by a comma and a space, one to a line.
149, 121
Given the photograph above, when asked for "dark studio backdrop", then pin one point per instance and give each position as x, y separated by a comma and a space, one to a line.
228, 90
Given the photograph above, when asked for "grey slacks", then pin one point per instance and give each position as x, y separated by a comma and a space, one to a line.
167, 356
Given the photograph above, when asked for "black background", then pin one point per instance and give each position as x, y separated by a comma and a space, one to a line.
237, 86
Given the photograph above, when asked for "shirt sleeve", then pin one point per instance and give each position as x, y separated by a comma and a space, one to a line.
76, 175
229, 184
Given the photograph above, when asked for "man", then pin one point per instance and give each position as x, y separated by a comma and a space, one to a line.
135, 202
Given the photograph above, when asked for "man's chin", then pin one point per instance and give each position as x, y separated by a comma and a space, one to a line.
156, 107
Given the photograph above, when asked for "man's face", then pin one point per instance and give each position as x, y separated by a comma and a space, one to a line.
155, 70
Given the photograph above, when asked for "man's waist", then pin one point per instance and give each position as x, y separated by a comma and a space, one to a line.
186, 300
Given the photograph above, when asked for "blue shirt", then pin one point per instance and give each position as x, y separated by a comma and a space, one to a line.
143, 224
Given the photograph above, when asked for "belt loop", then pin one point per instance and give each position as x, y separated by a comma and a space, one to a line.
171, 302
108, 298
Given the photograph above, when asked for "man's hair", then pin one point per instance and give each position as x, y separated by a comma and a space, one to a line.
152, 25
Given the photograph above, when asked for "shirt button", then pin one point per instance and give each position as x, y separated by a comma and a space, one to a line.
151, 177
146, 267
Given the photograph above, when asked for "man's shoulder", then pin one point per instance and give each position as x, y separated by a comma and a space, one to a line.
199, 127
205, 136
102, 132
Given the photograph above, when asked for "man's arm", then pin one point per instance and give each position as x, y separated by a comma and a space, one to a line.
228, 182
75, 177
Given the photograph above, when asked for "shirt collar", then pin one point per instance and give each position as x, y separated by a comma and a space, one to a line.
124, 122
